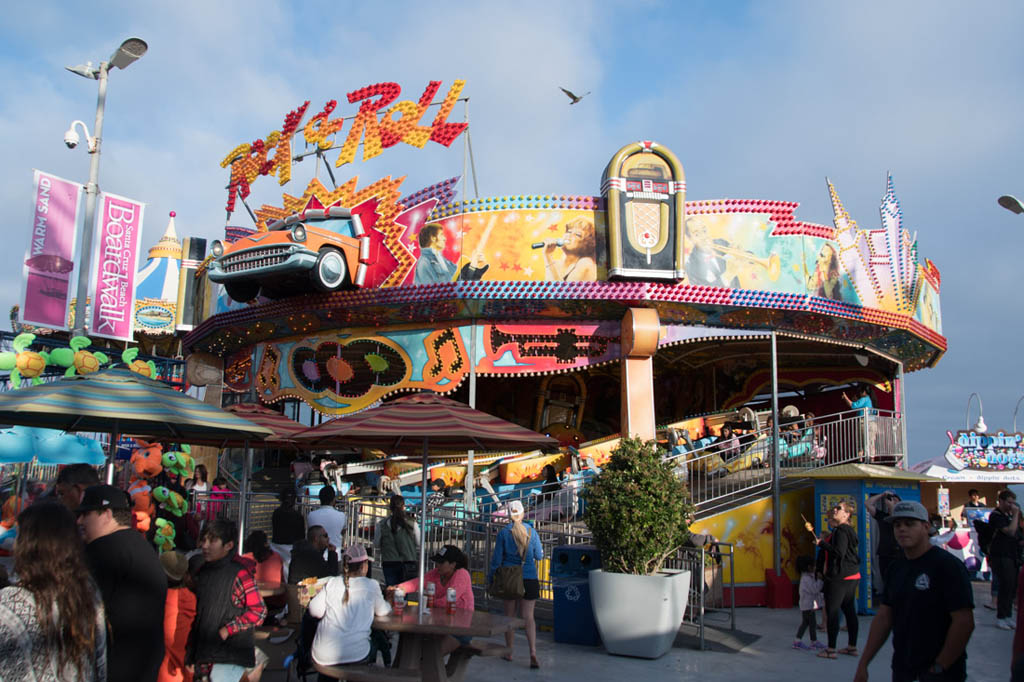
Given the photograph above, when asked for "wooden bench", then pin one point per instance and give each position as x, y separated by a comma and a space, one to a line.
367, 673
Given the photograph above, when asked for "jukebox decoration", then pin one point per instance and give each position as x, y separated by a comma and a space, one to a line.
645, 195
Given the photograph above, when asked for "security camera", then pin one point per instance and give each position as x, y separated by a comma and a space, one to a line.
71, 138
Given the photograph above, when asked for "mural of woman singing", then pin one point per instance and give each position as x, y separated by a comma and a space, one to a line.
824, 282
579, 245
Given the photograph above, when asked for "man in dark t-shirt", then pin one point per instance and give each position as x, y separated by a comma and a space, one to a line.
879, 507
927, 605
133, 584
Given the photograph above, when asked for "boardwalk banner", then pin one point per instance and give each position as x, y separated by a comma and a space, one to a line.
47, 272
116, 257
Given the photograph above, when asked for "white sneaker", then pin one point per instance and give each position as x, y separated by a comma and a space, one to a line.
1003, 624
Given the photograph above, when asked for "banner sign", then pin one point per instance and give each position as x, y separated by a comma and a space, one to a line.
982, 451
116, 255
47, 273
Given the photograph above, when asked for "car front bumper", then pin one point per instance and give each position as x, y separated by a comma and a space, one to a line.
262, 262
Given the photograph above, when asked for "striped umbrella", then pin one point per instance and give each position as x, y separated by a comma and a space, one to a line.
120, 401
424, 421
283, 427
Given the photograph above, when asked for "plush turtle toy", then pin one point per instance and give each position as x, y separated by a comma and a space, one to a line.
23, 363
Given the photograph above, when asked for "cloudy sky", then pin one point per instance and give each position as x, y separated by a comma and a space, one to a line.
759, 100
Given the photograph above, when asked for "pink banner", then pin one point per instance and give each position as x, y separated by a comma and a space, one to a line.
47, 273
118, 238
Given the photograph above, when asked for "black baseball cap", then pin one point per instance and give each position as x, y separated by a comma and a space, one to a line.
99, 497
449, 553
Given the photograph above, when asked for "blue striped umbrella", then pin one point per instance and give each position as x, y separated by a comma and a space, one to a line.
123, 402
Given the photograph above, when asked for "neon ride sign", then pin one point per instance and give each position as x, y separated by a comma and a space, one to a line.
379, 124
998, 452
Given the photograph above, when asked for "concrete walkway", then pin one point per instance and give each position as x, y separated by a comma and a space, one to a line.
768, 657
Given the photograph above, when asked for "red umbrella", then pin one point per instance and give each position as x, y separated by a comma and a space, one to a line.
283, 427
421, 422
424, 420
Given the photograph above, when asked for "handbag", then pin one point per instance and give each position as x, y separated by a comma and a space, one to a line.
508, 581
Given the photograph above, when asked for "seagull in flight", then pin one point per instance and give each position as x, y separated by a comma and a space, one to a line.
574, 97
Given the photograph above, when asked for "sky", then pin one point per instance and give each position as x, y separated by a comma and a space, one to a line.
759, 100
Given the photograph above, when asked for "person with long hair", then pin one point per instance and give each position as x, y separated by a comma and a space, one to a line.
346, 607
397, 538
519, 544
52, 624
824, 281
199, 481
451, 570
839, 563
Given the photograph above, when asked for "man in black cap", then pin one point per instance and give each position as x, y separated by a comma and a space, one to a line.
927, 605
131, 580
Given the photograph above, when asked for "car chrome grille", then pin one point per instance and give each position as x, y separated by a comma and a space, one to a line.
255, 258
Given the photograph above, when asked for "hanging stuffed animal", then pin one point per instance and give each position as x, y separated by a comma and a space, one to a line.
170, 500
147, 459
142, 496
141, 521
164, 538
180, 463
146, 369
24, 364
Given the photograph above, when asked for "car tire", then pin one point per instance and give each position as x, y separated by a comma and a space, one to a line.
243, 292
330, 271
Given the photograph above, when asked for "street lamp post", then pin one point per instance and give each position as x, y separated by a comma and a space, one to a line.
979, 427
130, 50
1015, 408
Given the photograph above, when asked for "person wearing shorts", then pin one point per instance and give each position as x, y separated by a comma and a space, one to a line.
519, 544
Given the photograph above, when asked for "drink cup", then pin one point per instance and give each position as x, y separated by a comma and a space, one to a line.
399, 601
428, 594
451, 600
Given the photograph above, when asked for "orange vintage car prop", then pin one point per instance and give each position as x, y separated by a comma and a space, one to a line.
323, 249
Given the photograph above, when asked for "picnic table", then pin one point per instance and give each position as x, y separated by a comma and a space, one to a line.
421, 636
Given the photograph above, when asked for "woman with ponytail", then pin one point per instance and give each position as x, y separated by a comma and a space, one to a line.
518, 544
52, 625
397, 538
346, 607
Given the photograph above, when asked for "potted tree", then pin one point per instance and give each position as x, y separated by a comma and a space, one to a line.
637, 510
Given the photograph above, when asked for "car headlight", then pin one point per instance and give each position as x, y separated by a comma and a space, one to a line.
217, 248
298, 232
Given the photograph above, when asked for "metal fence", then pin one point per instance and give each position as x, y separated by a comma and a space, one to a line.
477, 536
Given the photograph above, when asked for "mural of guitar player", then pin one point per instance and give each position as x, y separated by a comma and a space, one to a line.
579, 245
432, 266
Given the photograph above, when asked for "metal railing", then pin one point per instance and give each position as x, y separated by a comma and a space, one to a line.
477, 536
722, 473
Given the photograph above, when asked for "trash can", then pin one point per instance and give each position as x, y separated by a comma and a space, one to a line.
573, 614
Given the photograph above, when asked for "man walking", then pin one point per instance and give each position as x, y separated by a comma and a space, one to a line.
132, 582
1004, 555
332, 520
228, 608
927, 605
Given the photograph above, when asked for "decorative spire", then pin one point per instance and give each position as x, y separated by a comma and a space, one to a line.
168, 246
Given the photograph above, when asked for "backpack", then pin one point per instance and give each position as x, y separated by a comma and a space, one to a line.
985, 535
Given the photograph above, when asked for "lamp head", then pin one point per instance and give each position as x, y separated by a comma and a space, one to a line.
86, 70
1011, 203
130, 50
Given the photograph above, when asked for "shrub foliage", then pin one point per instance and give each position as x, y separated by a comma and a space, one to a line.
637, 509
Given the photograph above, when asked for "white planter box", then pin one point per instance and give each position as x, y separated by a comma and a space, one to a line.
639, 615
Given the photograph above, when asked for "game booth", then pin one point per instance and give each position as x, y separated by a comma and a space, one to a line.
623, 307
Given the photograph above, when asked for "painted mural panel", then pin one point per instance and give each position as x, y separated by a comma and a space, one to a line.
738, 251
515, 244
927, 310
340, 373
751, 528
